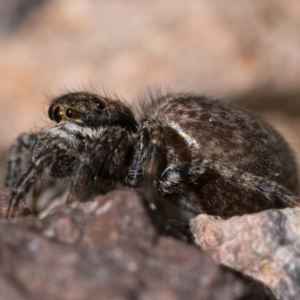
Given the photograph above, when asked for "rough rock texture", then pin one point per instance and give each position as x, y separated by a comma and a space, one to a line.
108, 249
264, 246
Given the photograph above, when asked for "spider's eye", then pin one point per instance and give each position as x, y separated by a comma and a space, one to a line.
69, 113
99, 104
57, 114
50, 113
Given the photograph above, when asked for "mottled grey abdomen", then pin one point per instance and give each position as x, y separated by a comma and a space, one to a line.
199, 128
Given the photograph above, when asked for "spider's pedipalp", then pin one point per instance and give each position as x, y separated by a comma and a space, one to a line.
101, 160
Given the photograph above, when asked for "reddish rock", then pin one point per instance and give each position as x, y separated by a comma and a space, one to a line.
109, 249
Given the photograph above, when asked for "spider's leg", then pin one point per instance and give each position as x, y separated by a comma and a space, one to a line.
154, 165
177, 179
136, 170
267, 187
16, 155
107, 153
28, 179
148, 160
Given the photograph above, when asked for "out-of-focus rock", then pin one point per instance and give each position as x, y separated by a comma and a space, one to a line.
13, 12
264, 246
108, 249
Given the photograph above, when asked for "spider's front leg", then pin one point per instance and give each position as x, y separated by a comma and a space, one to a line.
135, 174
178, 179
36, 167
101, 163
155, 165
148, 161
16, 156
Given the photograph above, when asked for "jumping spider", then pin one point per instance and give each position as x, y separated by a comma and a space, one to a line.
202, 154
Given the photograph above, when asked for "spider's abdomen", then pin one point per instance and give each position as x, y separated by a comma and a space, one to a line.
200, 128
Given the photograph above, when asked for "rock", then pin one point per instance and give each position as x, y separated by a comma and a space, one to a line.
109, 249
264, 246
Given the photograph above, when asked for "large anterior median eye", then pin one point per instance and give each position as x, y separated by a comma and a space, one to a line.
99, 104
57, 114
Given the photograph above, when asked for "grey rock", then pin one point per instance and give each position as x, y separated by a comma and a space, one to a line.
264, 246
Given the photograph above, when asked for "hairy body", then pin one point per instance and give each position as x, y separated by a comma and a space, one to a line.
202, 154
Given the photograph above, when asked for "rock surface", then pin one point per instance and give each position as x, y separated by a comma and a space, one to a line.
264, 246
109, 249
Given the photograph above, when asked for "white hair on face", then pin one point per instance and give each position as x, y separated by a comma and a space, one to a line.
73, 133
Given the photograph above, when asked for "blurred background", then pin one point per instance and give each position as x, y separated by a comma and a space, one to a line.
247, 52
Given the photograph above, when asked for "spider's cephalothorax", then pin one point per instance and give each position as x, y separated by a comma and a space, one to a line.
202, 154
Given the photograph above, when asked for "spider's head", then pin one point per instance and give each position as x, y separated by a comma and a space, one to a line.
91, 110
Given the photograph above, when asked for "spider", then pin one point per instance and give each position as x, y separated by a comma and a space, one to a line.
199, 153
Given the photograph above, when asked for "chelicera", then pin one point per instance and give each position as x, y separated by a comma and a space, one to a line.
201, 154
